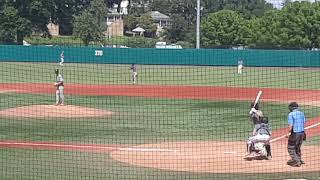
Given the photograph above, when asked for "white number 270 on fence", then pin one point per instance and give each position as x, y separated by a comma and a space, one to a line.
98, 53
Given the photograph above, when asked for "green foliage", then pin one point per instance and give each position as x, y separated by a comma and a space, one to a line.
161, 6
247, 8
140, 42
10, 23
222, 29
296, 26
178, 29
89, 26
63, 15
137, 42
20, 18
86, 28
254, 24
146, 22
130, 22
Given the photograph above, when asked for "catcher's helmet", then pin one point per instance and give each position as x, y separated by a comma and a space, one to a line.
254, 106
292, 106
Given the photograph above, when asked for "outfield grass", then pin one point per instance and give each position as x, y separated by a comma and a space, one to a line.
163, 75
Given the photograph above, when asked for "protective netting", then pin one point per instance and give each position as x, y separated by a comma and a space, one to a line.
152, 117
159, 89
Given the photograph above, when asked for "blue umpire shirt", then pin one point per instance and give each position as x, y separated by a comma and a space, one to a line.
297, 119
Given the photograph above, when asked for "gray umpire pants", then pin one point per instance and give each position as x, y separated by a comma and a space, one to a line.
294, 145
60, 95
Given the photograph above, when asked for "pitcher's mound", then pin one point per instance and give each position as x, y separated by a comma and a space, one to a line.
49, 111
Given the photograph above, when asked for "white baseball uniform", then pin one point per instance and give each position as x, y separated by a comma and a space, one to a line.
61, 58
240, 66
59, 90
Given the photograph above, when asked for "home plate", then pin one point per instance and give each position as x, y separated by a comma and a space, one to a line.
230, 152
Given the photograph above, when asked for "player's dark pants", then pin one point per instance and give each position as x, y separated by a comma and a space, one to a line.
268, 148
294, 145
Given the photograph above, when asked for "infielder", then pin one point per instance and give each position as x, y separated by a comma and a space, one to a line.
240, 66
134, 73
59, 88
61, 58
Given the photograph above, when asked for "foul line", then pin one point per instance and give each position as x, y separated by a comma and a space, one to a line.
309, 127
81, 147
146, 150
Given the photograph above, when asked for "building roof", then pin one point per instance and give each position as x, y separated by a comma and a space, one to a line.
158, 16
138, 29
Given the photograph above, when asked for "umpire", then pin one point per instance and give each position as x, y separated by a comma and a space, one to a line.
296, 122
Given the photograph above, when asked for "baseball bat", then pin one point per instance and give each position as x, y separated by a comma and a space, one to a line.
257, 98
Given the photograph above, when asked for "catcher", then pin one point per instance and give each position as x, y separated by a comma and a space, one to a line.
59, 88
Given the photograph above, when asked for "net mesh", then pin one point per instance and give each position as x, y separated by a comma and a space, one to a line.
90, 90
176, 120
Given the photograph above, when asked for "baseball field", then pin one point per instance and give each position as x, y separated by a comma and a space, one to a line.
177, 122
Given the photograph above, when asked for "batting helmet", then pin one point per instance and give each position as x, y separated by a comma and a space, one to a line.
254, 106
292, 106
56, 71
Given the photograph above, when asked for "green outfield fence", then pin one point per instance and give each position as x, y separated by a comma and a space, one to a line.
206, 57
186, 116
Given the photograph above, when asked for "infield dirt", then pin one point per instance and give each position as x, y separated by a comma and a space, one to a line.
51, 111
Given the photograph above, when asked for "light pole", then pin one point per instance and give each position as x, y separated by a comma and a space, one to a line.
198, 25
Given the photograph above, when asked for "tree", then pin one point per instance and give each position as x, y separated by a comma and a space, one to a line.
130, 22
184, 8
99, 10
161, 6
298, 20
89, 26
178, 29
86, 28
63, 14
267, 31
247, 8
11, 23
222, 29
39, 14
146, 22
314, 21
30, 16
